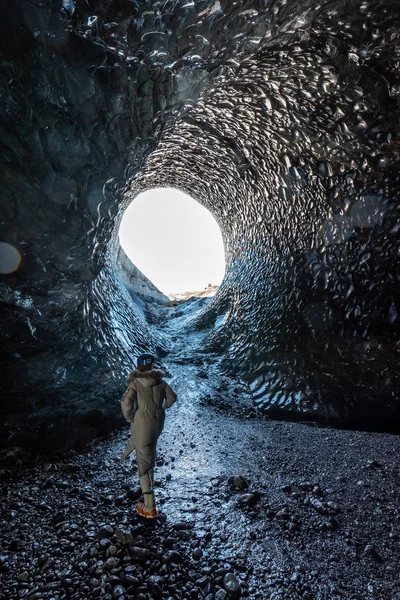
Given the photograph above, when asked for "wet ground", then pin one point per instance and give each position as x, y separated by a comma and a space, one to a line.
249, 508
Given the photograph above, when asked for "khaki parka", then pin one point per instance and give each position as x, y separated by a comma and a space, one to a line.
143, 406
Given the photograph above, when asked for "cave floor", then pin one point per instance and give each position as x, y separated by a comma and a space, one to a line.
314, 516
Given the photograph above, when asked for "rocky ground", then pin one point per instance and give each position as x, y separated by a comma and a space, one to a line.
249, 508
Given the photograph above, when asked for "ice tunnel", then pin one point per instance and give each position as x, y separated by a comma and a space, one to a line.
280, 117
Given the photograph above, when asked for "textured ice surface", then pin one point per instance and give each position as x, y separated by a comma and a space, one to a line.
281, 118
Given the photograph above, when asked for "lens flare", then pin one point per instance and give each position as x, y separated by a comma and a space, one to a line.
10, 258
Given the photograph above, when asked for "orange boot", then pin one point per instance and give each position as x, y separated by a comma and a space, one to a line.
147, 509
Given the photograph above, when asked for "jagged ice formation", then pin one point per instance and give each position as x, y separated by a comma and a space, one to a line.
280, 117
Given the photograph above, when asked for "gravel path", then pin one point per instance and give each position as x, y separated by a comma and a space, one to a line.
250, 508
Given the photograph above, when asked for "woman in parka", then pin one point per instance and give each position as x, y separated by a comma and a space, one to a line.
143, 405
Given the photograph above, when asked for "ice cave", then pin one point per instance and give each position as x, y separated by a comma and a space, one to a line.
279, 117
259, 458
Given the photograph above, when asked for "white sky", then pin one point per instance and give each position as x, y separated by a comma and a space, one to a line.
173, 240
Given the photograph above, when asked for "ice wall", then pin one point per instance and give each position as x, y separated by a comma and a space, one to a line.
281, 118
137, 284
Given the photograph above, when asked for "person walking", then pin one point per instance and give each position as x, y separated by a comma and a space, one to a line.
143, 406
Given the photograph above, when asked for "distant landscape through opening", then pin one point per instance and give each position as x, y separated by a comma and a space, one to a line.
173, 240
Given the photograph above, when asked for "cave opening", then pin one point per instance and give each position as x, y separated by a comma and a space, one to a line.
174, 241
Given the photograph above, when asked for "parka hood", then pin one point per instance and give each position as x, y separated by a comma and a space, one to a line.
148, 378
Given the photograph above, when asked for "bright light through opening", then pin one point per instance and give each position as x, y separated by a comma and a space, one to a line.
173, 240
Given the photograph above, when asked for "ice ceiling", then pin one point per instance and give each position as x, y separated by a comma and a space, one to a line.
281, 117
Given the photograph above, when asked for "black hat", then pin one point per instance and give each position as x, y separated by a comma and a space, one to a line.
145, 359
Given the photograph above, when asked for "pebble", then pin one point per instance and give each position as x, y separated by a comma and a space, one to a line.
139, 554
306, 486
372, 552
333, 506
231, 585
123, 537
118, 591
172, 556
154, 583
318, 505
105, 532
248, 499
111, 563
239, 482
169, 542
46, 566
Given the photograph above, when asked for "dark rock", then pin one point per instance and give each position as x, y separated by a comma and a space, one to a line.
134, 494
58, 518
306, 486
249, 499
119, 500
369, 550
62, 485
332, 507
48, 563
373, 464
232, 586
155, 585
105, 532
111, 563
123, 537
139, 554
203, 582
238, 482
318, 505
172, 556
